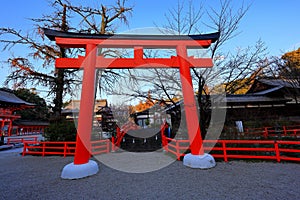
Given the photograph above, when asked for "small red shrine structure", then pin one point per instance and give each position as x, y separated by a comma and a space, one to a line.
82, 165
9, 103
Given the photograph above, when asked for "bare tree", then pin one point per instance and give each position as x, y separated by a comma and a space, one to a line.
242, 68
228, 67
34, 68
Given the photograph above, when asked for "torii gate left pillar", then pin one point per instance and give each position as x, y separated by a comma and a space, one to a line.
82, 165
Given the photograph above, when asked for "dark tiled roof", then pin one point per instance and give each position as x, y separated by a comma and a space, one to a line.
246, 99
9, 98
254, 99
264, 92
30, 123
51, 34
281, 82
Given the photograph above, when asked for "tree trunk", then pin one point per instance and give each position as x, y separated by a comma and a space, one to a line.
60, 76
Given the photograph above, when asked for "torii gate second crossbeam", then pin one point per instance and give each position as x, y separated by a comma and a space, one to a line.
82, 166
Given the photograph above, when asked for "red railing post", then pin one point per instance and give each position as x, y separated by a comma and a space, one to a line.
107, 146
113, 143
165, 139
24, 149
166, 145
284, 130
65, 149
177, 150
224, 150
266, 132
43, 149
162, 135
277, 152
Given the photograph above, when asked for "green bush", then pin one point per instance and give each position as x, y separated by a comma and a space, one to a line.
61, 130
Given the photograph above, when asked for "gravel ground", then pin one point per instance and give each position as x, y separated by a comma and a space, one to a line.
33, 177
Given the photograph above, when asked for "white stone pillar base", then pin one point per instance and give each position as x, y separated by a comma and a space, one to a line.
72, 171
204, 161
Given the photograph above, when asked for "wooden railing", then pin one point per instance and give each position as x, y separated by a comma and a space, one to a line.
30, 130
176, 147
12, 140
284, 131
223, 149
63, 148
277, 150
240, 149
121, 133
101, 146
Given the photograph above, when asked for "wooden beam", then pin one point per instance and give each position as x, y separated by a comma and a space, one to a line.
129, 63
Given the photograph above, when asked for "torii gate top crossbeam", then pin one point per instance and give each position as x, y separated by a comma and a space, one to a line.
138, 43
81, 38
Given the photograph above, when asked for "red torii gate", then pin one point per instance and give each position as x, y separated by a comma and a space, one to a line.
82, 166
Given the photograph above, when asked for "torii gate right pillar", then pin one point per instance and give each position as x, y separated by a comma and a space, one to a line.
197, 158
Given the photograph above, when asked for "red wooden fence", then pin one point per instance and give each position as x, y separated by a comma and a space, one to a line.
240, 149
281, 131
63, 148
11, 140
224, 149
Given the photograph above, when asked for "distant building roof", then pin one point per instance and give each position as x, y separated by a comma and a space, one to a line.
264, 92
74, 106
8, 98
244, 100
271, 85
254, 99
20, 122
281, 82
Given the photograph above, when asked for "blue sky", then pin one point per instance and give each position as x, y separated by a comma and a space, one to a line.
275, 22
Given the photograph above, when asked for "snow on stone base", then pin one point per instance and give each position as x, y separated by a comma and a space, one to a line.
204, 161
72, 171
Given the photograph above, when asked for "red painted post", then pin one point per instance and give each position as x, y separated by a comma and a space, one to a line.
2, 123
266, 132
24, 149
162, 130
112, 143
43, 151
284, 130
277, 151
9, 128
177, 150
84, 129
166, 147
65, 149
224, 151
107, 145
191, 113
119, 137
